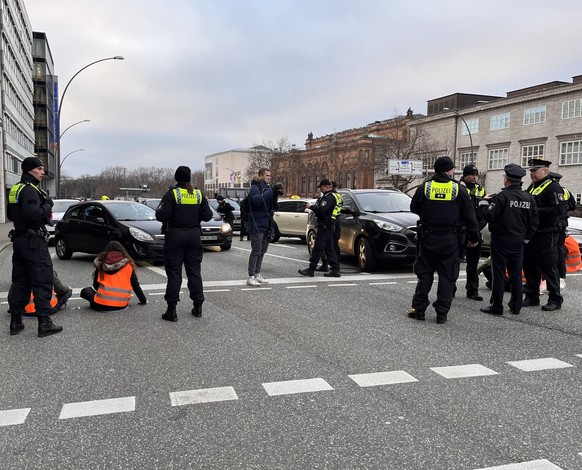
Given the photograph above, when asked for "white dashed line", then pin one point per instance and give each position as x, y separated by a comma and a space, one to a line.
204, 395
532, 465
289, 387
97, 407
217, 290
545, 363
340, 285
381, 283
468, 370
256, 288
300, 287
12, 417
382, 378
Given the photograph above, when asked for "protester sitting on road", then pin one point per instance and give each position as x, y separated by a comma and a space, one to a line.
61, 293
113, 280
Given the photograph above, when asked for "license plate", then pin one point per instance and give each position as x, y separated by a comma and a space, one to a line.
208, 237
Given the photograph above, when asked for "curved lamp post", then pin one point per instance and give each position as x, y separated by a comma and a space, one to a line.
60, 108
455, 112
72, 125
63, 161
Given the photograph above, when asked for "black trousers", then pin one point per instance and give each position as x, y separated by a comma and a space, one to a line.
506, 254
183, 247
539, 258
336, 236
324, 245
472, 256
32, 270
562, 253
440, 253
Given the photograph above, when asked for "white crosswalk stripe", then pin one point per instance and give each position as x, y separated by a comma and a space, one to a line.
296, 386
382, 378
97, 407
205, 395
12, 417
468, 370
545, 363
532, 465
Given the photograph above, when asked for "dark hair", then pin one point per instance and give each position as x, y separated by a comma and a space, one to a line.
187, 186
114, 245
262, 171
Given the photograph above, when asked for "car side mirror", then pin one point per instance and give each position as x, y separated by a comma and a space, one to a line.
100, 220
348, 210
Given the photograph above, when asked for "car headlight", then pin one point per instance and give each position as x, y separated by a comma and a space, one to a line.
225, 228
389, 227
140, 235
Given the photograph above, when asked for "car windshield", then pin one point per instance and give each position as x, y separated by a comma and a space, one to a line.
153, 203
384, 202
132, 211
62, 206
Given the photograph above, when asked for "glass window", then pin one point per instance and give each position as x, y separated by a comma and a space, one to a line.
571, 152
534, 115
286, 206
497, 159
472, 126
531, 151
467, 157
571, 109
499, 121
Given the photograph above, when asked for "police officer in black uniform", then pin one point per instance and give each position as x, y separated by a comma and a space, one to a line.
472, 255
513, 219
541, 253
324, 211
181, 210
32, 267
569, 204
446, 212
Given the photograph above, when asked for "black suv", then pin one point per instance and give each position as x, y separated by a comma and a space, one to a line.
376, 227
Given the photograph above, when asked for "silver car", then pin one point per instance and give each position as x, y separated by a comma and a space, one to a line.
291, 218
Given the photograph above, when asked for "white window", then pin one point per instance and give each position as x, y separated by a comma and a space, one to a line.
472, 126
531, 151
571, 109
534, 115
578, 198
499, 121
497, 159
571, 152
467, 157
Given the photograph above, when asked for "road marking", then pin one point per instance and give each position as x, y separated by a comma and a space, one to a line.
97, 407
217, 290
340, 285
256, 288
532, 465
203, 395
12, 417
544, 363
468, 370
381, 283
300, 287
578, 355
289, 387
382, 378
160, 271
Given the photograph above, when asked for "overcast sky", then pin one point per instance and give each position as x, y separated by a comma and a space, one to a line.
201, 77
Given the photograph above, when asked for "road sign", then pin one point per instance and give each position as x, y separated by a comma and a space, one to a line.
405, 167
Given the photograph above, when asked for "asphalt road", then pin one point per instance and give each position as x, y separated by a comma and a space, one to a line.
302, 373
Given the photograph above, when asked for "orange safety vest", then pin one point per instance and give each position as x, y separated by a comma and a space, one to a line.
114, 289
30, 308
573, 259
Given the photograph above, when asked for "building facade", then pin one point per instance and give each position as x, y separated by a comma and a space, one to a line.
542, 121
16, 95
44, 103
226, 170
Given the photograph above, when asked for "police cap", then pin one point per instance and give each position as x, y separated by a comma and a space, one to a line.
535, 163
324, 182
513, 171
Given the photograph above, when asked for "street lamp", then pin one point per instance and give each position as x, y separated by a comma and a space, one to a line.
63, 161
60, 109
455, 112
72, 125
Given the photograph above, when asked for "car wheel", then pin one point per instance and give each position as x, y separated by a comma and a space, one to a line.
366, 259
62, 249
225, 246
310, 241
275, 234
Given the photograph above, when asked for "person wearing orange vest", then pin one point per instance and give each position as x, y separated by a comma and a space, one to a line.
573, 258
113, 280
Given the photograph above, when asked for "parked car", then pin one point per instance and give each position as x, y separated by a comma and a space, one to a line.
236, 225
59, 208
291, 219
87, 227
153, 202
376, 227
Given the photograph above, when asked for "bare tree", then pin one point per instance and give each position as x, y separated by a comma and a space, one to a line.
266, 155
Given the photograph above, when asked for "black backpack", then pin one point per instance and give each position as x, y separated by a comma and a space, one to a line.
245, 208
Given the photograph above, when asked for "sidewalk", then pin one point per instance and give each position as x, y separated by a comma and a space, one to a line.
4, 240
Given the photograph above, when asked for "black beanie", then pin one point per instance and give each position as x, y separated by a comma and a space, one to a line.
470, 170
30, 163
183, 174
443, 164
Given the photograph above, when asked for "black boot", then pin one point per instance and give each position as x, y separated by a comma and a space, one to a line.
170, 314
323, 268
197, 310
46, 327
307, 272
16, 325
333, 273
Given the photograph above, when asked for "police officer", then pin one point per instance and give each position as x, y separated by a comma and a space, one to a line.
181, 210
444, 207
513, 219
324, 210
472, 255
339, 202
32, 267
541, 253
569, 205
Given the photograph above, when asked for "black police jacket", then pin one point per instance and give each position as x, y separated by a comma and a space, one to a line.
512, 214
323, 209
34, 206
550, 205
